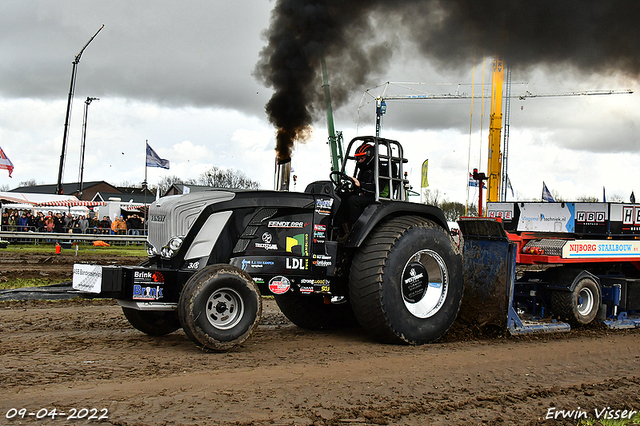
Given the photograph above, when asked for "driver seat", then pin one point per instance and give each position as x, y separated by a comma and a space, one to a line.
324, 187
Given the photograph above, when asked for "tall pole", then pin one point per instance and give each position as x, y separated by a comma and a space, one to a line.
145, 228
84, 140
333, 140
74, 70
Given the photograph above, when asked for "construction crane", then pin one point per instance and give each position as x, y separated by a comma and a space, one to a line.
497, 170
67, 119
497, 176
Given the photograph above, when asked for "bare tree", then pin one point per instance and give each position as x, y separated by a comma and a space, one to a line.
166, 182
587, 199
226, 178
432, 196
29, 182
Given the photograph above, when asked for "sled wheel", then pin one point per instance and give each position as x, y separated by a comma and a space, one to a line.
406, 281
219, 307
153, 323
579, 306
310, 311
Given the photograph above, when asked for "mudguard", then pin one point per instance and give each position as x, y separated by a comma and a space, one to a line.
378, 211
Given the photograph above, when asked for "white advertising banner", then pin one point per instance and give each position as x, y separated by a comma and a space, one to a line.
547, 217
584, 249
87, 278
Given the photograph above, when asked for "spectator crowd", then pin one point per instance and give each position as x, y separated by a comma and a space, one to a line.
26, 221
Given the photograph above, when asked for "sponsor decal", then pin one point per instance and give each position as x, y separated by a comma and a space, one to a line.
298, 244
286, 224
157, 218
258, 280
324, 206
602, 249
87, 278
266, 242
296, 264
255, 264
148, 276
630, 215
414, 282
314, 281
506, 214
304, 289
320, 228
322, 256
322, 263
324, 203
147, 293
279, 285
591, 217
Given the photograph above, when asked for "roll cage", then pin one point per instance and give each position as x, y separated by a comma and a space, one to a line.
389, 156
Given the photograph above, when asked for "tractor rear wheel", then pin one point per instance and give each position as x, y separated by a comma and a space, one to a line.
406, 281
579, 306
312, 313
219, 307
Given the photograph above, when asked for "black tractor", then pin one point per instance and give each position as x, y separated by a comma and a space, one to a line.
344, 252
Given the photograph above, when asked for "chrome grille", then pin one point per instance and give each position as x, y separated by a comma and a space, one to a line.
174, 215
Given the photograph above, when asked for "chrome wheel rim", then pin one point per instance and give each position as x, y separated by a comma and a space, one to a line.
424, 283
224, 308
585, 301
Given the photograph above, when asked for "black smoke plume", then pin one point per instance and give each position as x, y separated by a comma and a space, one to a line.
359, 37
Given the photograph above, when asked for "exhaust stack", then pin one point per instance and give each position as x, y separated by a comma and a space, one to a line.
283, 174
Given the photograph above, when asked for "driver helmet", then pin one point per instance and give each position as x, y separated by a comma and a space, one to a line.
364, 154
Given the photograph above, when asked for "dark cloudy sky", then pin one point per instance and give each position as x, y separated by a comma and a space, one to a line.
183, 76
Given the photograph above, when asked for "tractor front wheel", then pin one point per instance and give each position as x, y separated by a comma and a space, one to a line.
219, 307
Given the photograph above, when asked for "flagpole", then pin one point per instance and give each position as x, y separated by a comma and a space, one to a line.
144, 188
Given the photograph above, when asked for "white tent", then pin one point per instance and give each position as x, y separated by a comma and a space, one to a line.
29, 198
45, 202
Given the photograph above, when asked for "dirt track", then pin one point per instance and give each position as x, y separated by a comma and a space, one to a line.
72, 355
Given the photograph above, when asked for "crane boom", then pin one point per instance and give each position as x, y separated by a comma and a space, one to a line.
497, 167
494, 165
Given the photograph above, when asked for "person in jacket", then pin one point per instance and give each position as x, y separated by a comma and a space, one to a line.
23, 222
105, 224
119, 226
83, 224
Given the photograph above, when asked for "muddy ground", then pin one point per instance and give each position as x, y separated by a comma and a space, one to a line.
75, 354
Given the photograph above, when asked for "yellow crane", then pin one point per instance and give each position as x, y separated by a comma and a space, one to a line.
494, 167
497, 177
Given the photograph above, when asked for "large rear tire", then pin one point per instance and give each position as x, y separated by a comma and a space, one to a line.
310, 312
153, 323
406, 281
579, 306
219, 307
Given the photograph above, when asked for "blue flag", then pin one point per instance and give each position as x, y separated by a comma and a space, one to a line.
154, 160
546, 194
